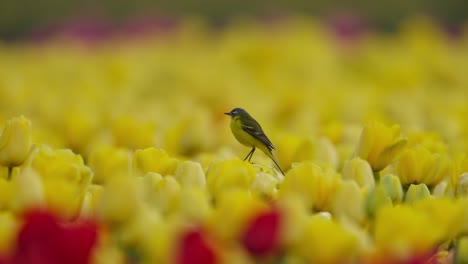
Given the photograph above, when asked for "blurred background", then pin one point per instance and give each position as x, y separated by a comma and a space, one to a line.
21, 19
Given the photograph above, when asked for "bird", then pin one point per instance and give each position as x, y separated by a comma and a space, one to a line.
250, 134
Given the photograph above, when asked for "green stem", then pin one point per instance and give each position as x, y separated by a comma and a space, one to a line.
376, 176
455, 249
10, 172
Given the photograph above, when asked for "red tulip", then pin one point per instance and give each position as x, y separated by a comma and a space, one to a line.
43, 239
262, 235
195, 249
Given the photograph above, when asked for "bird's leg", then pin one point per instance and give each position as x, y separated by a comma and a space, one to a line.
250, 154
253, 150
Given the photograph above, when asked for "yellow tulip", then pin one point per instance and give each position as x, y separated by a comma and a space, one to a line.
27, 191
148, 184
65, 179
430, 141
153, 160
130, 133
464, 205
297, 149
159, 248
191, 135
360, 171
295, 217
90, 202
418, 165
9, 227
380, 145
377, 199
349, 202
446, 213
59, 163
289, 145
78, 128
137, 233
15, 141
120, 200
416, 193
165, 196
462, 186
316, 186
229, 174
194, 205
326, 153
107, 253
106, 162
459, 166
190, 173
234, 209
443, 189
327, 242
392, 187
265, 184
402, 231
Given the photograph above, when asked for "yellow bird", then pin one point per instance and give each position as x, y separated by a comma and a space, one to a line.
249, 133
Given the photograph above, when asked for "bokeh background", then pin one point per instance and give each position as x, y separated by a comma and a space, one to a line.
23, 17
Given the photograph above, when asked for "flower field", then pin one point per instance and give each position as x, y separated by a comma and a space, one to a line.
119, 151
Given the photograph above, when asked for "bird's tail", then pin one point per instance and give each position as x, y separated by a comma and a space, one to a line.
272, 157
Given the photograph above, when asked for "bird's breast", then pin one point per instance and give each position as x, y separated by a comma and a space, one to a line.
240, 134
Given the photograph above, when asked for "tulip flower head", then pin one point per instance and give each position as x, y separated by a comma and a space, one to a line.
380, 145
15, 141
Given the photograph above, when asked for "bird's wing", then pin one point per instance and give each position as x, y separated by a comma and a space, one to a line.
255, 130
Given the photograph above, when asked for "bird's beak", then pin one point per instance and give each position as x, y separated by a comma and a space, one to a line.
227, 114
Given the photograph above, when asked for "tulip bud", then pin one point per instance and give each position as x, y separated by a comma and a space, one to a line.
106, 162
376, 199
442, 189
349, 201
360, 171
416, 193
229, 174
419, 165
380, 145
325, 152
392, 187
265, 184
148, 184
166, 195
462, 189
119, 201
153, 160
326, 241
27, 191
194, 204
190, 173
142, 133
314, 184
15, 141
295, 217
138, 232
90, 201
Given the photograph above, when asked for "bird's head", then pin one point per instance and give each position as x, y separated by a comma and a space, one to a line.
235, 112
